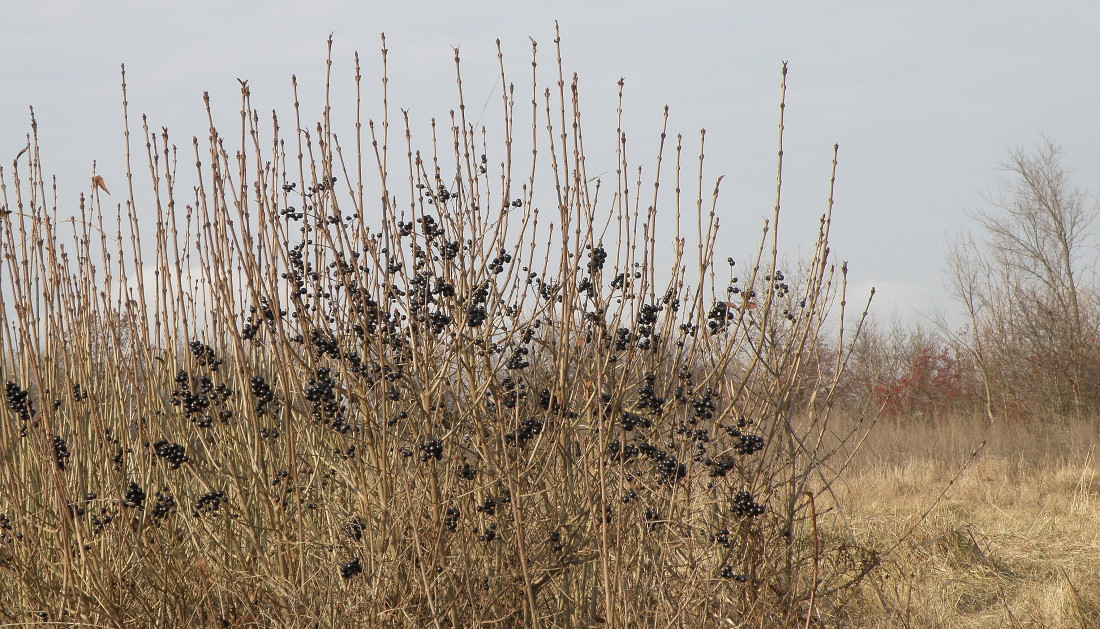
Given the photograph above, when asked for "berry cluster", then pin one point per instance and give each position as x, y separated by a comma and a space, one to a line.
528, 430
450, 520
198, 397
475, 315
622, 340
209, 502
496, 265
719, 468
749, 444
548, 401
324, 344
722, 538
261, 390
705, 405
648, 400
324, 408
647, 321
291, 213
6, 536
60, 452
745, 507
134, 496
354, 528
597, 258
466, 471
191, 403
351, 568
488, 534
118, 459
779, 284
322, 185
669, 470
101, 521
280, 476
431, 449
727, 573
164, 504
617, 451
697, 435
668, 467
518, 359
80, 394
174, 453
608, 514
20, 403
259, 316
76, 510
630, 421
723, 314
488, 506
555, 541
440, 196
204, 355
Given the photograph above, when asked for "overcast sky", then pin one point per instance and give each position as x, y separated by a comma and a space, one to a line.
925, 99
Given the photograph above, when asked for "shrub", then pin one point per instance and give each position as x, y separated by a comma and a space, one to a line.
419, 402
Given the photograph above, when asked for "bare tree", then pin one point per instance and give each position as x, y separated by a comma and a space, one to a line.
1027, 288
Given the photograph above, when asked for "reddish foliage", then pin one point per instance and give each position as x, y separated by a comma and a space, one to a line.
935, 381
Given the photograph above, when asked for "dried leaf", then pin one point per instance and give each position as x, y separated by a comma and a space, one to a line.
97, 181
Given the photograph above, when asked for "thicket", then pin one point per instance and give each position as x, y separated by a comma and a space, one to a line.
478, 395
909, 372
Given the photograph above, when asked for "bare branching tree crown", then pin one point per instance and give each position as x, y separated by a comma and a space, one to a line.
1027, 285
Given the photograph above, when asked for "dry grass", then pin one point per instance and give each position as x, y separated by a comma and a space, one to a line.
1013, 542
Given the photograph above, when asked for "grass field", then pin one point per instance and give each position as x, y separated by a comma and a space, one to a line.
1007, 538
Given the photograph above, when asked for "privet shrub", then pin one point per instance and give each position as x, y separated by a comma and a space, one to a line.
465, 398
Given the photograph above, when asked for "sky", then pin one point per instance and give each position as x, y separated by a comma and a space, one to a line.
926, 100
